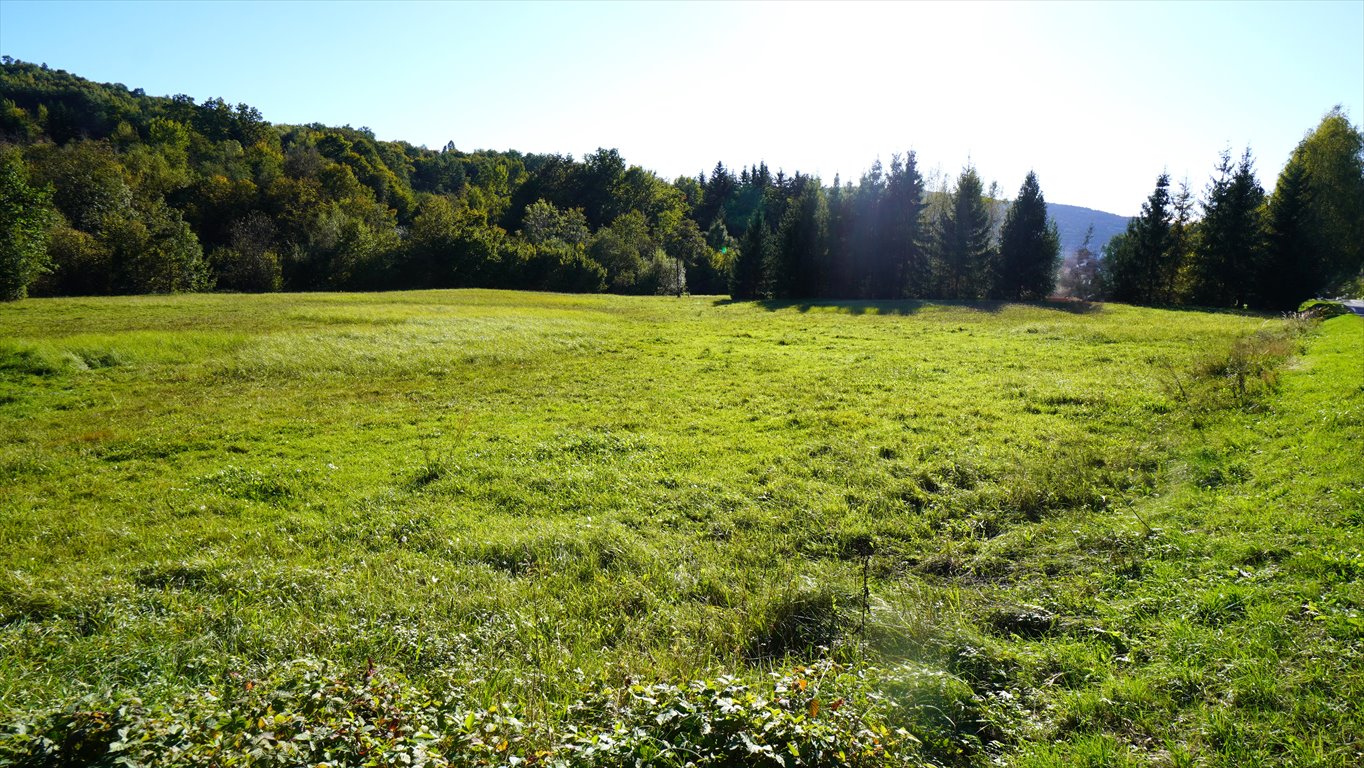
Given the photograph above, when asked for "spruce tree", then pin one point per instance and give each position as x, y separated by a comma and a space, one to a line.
1140, 265
716, 192
868, 214
1153, 245
1231, 238
800, 262
1029, 247
1291, 271
905, 271
1119, 270
746, 276
962, 247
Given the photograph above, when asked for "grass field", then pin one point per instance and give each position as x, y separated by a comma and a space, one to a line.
482, 528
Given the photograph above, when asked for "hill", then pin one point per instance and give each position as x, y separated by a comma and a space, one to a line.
1073, 221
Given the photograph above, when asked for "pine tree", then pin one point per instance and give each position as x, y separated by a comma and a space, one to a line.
746, 276
1291, 271
1153, 245
1140, 265
905, 271
1029, 247
800, 262
963, 250
867, 219
1231, 238
840, 224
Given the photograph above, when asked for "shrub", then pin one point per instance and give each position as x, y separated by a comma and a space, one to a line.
1321, 309
307, 714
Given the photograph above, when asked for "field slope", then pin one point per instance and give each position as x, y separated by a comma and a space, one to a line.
480, 528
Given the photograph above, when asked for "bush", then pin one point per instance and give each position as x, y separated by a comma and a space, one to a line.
1322, 309
247, 272
307, 714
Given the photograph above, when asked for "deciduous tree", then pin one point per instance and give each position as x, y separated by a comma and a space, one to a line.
25, 214
1332, 157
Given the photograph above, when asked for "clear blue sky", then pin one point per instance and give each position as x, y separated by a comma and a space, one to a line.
1097, 98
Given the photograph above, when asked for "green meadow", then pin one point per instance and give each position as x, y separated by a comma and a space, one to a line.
499, 528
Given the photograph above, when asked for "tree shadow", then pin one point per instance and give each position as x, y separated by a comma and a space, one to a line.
844, 306
1070, 306
909, 306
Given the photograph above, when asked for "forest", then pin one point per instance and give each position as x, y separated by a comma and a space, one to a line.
107, 190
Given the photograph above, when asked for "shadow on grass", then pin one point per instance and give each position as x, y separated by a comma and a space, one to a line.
909, 307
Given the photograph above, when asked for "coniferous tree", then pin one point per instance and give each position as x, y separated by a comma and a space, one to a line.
1119, 270
866, 244
1231, 237
1154, 246
1029, 247
905, 269
963, 251
1183, 235
750, 192
746, 276
716, 192
1138, 264
142, 188
1291, 271
799, 263
840, 222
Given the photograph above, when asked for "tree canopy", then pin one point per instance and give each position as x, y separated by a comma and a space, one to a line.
109, 190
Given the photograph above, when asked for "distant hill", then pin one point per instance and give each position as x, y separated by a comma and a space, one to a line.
1072, 221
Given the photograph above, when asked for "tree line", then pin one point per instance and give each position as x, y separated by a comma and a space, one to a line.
106, 190
1249, 248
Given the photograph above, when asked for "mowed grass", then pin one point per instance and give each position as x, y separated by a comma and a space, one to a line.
1107, 535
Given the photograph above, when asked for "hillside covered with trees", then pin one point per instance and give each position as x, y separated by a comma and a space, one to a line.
107, 190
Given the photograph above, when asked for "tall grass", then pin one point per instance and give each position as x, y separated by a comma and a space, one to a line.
1017, 532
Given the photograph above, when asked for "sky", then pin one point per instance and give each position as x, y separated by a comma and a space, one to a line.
1097, 98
